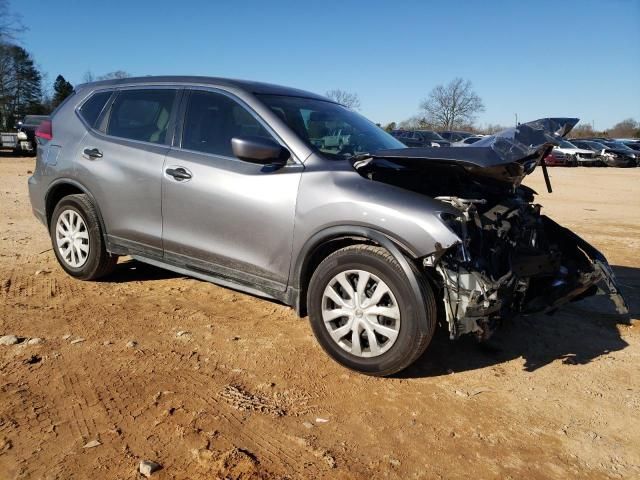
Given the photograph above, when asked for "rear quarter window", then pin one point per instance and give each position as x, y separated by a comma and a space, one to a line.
91, 109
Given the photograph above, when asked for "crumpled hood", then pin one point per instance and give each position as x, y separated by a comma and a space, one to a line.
528, 141
506, 157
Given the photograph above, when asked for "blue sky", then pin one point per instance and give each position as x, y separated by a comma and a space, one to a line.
537, 58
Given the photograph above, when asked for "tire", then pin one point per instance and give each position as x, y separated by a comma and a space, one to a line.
90, 260
414, 327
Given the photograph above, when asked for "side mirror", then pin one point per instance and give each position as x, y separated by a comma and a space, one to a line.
259, 150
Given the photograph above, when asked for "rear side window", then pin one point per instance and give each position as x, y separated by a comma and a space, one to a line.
213, 119
142, 115
92, 108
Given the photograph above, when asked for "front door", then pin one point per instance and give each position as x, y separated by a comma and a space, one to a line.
221, 214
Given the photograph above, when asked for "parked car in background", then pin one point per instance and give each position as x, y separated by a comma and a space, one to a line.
629, 142
455, 135
556, 158
597, 149
632, 143
420, 138
623, 150
225, 181
338, 138
576, 155
612, 154
467, 141
23, 141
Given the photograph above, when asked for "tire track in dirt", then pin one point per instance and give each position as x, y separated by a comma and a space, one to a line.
20, 284
118, 392
273, 445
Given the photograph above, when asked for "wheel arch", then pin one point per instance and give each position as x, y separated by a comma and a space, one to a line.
329, 240
64, 187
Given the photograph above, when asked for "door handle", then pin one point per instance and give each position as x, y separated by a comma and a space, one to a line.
93, 153
178, 173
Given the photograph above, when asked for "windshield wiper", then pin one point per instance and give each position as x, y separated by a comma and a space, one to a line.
360, 160
360, 156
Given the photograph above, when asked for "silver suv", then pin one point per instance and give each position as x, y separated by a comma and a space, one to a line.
241, 184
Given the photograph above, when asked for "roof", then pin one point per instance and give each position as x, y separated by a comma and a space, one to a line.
248, 85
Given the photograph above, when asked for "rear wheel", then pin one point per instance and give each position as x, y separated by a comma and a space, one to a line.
365, 314
77, 239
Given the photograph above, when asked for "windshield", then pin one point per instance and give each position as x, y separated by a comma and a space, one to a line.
329, 128
565, 144
428, 135
597, 145
618, 145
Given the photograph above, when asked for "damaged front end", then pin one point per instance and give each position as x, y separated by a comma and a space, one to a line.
510, 259
513, 260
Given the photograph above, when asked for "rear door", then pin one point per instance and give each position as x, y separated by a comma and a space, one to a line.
227, 216
121, 164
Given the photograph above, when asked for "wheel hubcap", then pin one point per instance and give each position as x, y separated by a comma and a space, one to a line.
72, 238
361, 313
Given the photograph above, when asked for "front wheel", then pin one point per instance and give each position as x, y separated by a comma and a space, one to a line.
365, 314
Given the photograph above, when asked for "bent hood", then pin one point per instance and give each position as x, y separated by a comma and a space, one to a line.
508, 155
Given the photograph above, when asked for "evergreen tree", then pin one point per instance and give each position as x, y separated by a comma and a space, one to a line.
61, 90
20, 85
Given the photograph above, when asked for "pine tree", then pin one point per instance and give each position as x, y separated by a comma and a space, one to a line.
20, 85
61, 90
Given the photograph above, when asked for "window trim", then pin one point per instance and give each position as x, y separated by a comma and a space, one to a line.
106, 106
176, 144
104, 123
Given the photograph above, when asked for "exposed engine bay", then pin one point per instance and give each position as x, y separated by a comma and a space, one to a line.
511, 259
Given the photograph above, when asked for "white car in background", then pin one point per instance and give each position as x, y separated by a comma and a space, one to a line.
468, 141
580, 156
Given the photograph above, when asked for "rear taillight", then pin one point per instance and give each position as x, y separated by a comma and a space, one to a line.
45, 130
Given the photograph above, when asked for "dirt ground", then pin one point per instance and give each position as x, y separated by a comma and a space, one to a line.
224, 385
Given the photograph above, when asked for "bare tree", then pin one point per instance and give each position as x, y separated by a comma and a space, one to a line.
414, 123
453, 105
492, 128
11, 25
112, 75
584, 131
348, 99
627, 128
89, 77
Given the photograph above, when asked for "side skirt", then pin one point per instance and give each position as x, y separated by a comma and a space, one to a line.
287, 297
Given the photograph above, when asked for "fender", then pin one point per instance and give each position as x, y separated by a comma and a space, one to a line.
349, 231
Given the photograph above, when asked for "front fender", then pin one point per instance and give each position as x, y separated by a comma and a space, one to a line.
331, 198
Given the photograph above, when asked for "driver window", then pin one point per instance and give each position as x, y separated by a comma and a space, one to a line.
212, 120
